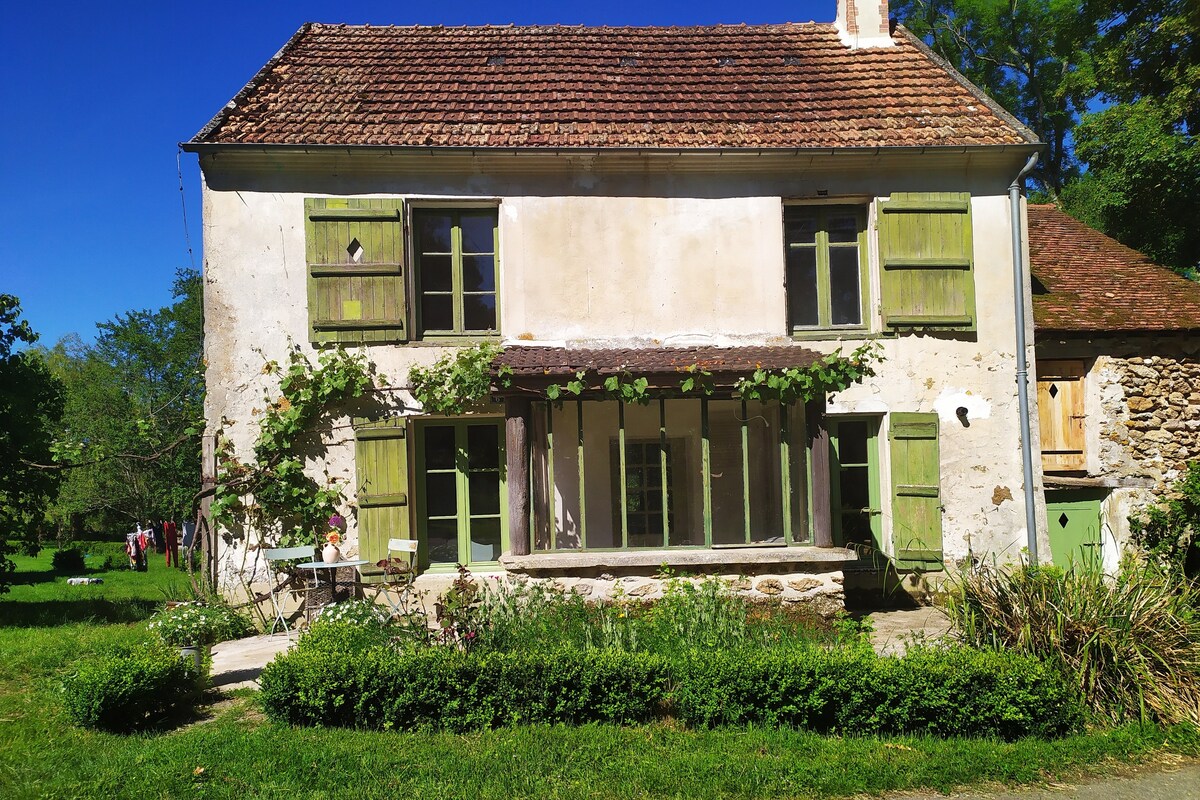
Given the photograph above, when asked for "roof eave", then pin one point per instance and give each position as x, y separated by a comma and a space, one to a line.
196, 146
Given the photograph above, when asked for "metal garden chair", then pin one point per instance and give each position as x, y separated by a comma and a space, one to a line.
279, 559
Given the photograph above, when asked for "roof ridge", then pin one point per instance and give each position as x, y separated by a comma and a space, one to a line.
568, 26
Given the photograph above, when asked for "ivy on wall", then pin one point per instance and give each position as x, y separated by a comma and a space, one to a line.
271, 492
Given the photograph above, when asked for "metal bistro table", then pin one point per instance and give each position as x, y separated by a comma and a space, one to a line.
330, 568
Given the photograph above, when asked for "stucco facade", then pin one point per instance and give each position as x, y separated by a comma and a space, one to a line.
640, 250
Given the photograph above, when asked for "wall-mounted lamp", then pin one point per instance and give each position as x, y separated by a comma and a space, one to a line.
961, 412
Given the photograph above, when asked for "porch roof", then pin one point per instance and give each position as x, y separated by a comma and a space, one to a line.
531, 364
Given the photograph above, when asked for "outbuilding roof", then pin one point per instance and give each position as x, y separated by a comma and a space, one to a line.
792, 85
1090, 283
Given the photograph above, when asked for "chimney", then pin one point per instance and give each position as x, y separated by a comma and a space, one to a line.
863, 23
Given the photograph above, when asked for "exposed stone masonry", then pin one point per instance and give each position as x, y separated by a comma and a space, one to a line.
1151, 416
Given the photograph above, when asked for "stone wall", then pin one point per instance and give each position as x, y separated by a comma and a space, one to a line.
1151, 414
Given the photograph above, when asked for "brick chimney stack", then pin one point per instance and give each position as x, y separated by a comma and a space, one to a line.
863, 23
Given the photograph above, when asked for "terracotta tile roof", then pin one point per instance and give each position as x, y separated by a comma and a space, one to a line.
764, 86
1094, 283
560, 362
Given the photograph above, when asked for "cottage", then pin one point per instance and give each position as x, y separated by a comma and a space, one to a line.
1117, 376
636, 204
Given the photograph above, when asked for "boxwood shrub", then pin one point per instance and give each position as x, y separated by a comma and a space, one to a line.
352, 681
131, 689
942, 691
445, 689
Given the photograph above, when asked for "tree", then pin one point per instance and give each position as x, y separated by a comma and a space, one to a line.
1035, 57
1143, 182
130, 434
1151, 49
1054, 64
31, 403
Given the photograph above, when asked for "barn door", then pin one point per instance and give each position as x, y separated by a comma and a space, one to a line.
1060, 409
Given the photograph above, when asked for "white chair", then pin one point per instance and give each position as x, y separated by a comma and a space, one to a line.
282, 590
396, 586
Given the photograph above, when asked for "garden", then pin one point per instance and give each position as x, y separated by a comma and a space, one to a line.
523, 691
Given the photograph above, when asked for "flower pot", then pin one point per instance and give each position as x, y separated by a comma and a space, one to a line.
194, 652
330, 553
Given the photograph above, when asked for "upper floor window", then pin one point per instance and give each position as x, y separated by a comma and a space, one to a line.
825, 251
359, 289
454, 255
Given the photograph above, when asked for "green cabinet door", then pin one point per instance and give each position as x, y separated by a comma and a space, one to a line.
1073, 520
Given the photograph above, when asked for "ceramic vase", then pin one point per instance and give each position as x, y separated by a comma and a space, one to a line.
330, 553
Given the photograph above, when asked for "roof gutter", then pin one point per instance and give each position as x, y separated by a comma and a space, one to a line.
1018, 261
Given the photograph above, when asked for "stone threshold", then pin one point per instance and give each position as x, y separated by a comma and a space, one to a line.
731, 557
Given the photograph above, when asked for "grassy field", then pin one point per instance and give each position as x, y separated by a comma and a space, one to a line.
231, 751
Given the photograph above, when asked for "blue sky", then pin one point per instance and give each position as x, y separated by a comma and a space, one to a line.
97, 96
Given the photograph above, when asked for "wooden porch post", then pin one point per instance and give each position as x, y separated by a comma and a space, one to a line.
822, 493
516, 448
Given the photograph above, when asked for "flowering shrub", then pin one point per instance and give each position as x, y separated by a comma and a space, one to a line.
352, 612
196, 624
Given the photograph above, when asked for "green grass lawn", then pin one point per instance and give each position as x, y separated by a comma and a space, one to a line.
232, 751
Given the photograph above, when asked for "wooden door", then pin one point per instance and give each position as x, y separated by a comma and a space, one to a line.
1060, 409
1073, 522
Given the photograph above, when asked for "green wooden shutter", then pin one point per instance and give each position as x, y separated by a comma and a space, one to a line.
381, 468
925, 248
355, 254
916, 491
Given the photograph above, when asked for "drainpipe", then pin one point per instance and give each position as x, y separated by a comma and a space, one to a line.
1014, 202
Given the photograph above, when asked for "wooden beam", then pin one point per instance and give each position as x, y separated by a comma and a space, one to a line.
516, 446
822, 493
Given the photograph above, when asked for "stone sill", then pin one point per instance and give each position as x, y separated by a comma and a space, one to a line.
641, 559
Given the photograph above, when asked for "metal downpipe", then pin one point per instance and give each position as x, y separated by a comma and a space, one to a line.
1018, 251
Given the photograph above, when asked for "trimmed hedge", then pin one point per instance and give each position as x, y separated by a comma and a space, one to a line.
69, 559
450, 690
933, 691
131, 689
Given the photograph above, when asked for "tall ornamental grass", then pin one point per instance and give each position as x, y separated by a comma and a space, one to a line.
1130, 643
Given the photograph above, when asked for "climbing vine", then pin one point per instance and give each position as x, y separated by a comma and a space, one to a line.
458, 380
464, 378
271, 492
831, 374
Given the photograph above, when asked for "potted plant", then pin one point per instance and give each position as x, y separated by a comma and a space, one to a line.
194, 628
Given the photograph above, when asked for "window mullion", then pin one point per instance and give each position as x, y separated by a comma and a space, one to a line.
550, 512
462, 481
662, 465
582, 482
746, 471
456, 271
824, 300
785, 473
622, 482
706, 470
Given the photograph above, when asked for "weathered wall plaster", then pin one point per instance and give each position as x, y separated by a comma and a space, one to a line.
631, 258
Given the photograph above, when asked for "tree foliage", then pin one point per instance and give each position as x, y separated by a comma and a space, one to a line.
1110, 86
1034, 57
1143, 181
31, 402
134, 403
